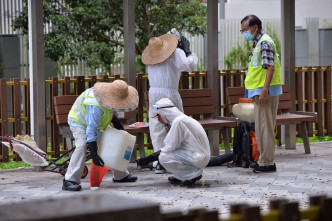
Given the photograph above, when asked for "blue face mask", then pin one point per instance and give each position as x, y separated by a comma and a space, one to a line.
248, 36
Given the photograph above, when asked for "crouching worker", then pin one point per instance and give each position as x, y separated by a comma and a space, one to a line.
92, 112
186, 149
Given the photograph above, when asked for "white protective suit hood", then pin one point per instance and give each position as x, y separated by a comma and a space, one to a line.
165, 108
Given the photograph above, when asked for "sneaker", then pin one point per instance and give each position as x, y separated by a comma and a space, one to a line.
71, 185
265, 169
128, 179
174, 181
190, 182
160, 169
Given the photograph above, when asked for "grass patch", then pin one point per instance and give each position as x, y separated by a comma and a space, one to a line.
315, 139
147, 152
13, 164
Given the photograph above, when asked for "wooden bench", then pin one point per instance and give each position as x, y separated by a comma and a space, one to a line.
62, 106
198, 103
284, 115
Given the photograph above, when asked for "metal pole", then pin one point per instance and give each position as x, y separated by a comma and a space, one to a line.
129, 45
288, 61
36, 73
212, 74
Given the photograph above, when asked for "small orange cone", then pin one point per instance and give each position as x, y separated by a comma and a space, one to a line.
97, 174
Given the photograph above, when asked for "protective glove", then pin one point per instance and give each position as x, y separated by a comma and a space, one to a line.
185, 45
92, 146
181, 45
117, 123
146, 160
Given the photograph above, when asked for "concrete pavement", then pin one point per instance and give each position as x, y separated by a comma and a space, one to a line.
298, 176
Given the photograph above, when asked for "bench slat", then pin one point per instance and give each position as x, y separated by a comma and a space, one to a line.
284, 105
195, 93
136, 130
210, 124
293, 118
191, 102
62, 109
285, 97
197, 110
62, 118
67, 99
231, 91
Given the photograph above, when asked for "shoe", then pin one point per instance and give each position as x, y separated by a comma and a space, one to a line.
174, 181
190, 182
160, 169
253, 165
128, 179
71, 185
265, 169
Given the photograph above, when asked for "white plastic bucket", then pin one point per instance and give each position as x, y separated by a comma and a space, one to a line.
116, 147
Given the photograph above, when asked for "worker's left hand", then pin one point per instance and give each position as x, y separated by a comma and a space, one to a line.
92, 146
117, 123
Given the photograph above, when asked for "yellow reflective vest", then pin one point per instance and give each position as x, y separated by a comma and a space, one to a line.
256, 74
78, 111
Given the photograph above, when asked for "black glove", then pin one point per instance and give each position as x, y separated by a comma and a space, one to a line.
146, 160
184, 44
92, 146
117, 123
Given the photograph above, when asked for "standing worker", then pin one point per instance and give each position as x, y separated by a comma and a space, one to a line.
263, 84
166, 57
186, 149
91, 113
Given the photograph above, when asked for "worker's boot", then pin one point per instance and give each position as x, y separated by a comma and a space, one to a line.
71, 185
159, 169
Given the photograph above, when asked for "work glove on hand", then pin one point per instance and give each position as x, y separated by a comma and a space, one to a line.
117, 123
92, 146
185, 45
146, 160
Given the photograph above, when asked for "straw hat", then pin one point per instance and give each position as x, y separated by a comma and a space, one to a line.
159, 49
117, 96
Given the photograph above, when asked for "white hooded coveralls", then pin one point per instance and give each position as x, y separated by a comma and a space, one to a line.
164, 83
186, 149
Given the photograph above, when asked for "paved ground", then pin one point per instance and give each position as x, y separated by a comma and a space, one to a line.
298, 176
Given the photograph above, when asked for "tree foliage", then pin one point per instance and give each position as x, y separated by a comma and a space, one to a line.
92, 30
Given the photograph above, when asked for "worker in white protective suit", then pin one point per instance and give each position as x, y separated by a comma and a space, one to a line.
186, 149
166, 56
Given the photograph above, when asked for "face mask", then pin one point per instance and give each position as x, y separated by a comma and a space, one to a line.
248, 36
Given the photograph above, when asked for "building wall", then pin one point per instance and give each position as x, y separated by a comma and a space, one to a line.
269, 9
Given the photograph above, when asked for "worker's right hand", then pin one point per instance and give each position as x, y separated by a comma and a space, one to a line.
186, 46
92, 146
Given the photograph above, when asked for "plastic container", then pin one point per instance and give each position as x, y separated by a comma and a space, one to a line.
244, 110
116, 147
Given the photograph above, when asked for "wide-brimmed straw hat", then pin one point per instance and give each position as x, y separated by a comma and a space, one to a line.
159, 49
116, 96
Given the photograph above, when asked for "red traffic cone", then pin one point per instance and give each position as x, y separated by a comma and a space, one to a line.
97, 174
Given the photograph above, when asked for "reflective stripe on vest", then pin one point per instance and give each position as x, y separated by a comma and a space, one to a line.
78, 111
256, 74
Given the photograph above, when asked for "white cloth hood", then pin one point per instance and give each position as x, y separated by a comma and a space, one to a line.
166, 109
